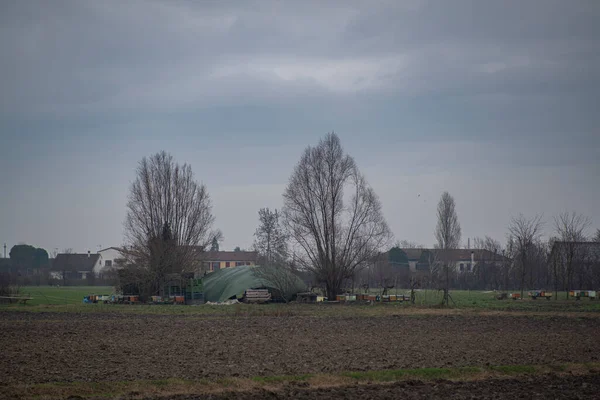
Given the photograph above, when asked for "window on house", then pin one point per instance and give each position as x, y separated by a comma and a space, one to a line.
469, 266
108, 263
247, 262
238, 263
227, 264
216, 266
462, 266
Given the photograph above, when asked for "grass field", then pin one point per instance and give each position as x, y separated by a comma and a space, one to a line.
51, 295
69, 298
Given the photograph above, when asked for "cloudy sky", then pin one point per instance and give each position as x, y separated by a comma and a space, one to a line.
496, 102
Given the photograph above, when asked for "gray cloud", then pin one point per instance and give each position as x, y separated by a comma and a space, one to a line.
506, 91
90, 56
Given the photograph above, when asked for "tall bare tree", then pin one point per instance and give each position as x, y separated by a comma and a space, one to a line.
447, 234
525, 233
333, 216
571, 228
554, 263
597, 236
169, 219
487, 270
270, 240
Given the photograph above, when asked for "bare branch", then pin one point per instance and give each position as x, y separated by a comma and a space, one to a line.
447, 234
571, 229
169, 218
525, 233
332, 215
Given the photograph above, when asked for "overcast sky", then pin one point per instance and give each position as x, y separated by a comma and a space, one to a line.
497, 102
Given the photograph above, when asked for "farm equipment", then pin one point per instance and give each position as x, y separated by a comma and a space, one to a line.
578, 294
540, 293
514, 296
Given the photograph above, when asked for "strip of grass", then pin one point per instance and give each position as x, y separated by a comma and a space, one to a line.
419, 373
46, 295
282, 378
515, 369
69, 299
172, 387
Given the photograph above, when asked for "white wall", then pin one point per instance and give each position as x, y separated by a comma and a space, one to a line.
111, 254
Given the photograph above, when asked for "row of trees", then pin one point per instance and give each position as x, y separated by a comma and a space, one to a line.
563, 262
331, 226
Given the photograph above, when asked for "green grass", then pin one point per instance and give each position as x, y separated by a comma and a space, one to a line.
417, 373
50, 295
516, 369
487, 301
69, 299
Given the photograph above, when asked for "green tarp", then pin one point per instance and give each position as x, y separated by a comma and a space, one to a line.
228, 282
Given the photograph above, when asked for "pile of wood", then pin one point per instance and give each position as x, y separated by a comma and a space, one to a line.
257, 296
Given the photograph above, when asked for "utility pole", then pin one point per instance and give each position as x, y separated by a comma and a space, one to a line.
4, 249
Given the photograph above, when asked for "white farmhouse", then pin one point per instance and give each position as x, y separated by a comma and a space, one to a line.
109, 258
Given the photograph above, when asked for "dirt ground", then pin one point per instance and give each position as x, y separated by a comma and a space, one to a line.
64, 347
546, 387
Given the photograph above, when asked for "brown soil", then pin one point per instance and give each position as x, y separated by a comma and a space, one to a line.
544, 387
55, 347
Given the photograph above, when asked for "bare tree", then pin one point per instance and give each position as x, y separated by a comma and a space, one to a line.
270, 240
386, 276
487, 270
525, 233
333, 216
554, 262
597, 236
281, 277
169, 219
271, 244
571, 229
447, 234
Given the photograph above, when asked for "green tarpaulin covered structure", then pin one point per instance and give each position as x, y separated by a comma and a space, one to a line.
226, 283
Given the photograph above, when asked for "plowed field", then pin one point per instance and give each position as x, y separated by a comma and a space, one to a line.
66, 347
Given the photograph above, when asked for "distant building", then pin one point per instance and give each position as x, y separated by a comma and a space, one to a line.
461, 260
74, 266
109, 258
215, 260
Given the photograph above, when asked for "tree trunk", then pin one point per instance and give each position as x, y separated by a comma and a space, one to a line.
523, 272
331, 294
446, 294
555, 270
